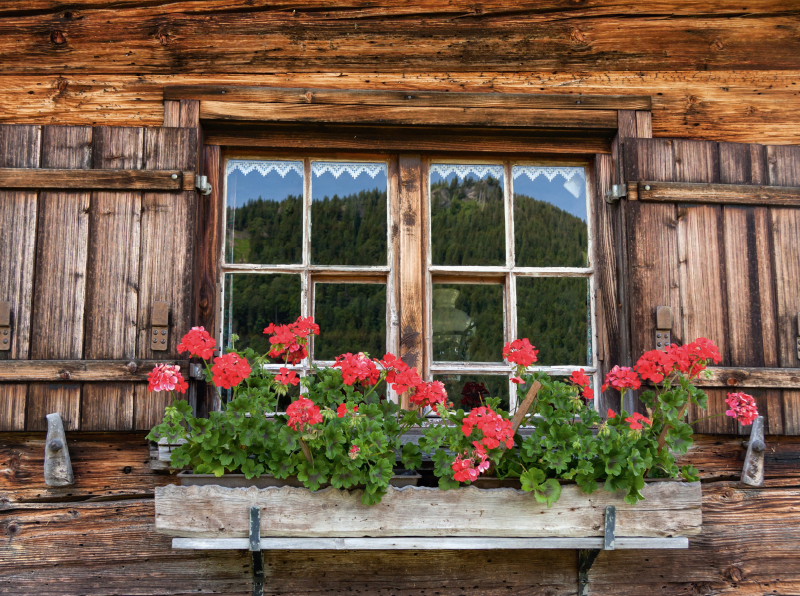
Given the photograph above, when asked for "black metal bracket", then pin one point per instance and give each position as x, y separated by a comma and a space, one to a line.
587, 556
255, 551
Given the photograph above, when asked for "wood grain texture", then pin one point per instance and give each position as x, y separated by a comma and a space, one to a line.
81, 370
412, 273
415, 99
13, 398
124, 179
727, 194
236, 37
107, 406
742, 106
148, 407
60, 277
758, 376
47, 398
167, 238
669, 509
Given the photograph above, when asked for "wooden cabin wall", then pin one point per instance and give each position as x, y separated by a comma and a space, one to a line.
715, 70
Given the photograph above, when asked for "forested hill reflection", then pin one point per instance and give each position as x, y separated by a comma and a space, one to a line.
467, 221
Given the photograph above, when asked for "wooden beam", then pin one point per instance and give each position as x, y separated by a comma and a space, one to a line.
764, 378
410, 116
416, 99
165, 180
82, 370
727, 194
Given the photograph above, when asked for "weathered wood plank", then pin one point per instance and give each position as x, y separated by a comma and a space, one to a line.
82, 370
412, 345
669, 509
44, 399
751, 377
60, 277
410, 116
107, 406
13, 398
414, 99
102, 179
791, 412
728, 194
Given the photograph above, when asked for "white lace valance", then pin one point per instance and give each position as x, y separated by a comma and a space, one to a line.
264, 167
549, 172
463, 170
318, 168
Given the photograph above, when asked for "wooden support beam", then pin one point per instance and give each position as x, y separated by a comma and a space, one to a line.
163, 180
19, 371
743, 378
410, 116
726, 194
416, 99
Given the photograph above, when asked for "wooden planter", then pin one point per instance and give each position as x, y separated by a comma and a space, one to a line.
189, 478
671, 509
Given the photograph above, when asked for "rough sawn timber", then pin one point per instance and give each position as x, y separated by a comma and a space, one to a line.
669, 509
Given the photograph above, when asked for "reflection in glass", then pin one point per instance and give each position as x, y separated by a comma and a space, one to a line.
348, 213
470, 391
467, 322
550, 227
351, 318
264, 219
254, 301
553, 313
467, 215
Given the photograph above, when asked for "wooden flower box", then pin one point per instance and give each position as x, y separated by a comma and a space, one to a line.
671, 509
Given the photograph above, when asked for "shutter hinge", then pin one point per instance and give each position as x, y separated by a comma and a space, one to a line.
159, 327
202, 185
617, 192
5, 326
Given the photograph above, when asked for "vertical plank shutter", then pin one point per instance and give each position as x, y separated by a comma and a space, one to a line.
728, 271
81, 269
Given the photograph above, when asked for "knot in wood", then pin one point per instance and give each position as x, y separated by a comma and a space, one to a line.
734, 573
64, 375
132, 367
58, 37
163, 38
577, 36
12, 529
718, 45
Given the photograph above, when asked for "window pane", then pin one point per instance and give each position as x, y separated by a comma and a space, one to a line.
254, 301
470, 391
468, 322
351, 318
264, 212
550, 227
553, 313
348, 213
467, 215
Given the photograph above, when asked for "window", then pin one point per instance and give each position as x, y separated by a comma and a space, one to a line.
506, 254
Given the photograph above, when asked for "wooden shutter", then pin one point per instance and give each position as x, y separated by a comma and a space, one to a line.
82, 268
729, 271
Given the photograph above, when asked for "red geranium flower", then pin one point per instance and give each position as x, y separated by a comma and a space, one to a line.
520, 351
341, 411
654, 365
518, 380
467, 467
611, 414
229, 370
428, 394
165, 377
198, 343
742, 407
493, 426
580, 379
621, 377
303, 412
357, 367
636, 419
287, 377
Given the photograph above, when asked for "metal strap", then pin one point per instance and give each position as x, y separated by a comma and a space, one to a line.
255, 550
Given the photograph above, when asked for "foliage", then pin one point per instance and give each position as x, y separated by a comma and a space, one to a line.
341, 432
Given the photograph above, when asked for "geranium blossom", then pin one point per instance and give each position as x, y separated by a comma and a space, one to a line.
611, 414
399, 375
636, 419
621, 377
287, 377
654, 365
495, 428
290, 340
165, 377
229, 370
302, 413
742, 407
354, 450
468, 467
341, 411
693, 358
198, 343
357, 367
518, 380
521, 352
580, 379
428, 394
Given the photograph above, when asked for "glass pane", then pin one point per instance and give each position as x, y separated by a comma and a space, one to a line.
254, 301
468, 322
264, 212
348, 213
553, 313
470, 391
467, 215
291, 395
351, 318
550, 227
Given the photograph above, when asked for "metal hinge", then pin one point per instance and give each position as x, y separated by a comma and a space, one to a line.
159, 327
202, 185
5, 326
617, 192
663, 327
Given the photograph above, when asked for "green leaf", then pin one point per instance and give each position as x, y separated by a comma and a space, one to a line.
446, 483
548, 493
411, 456
690, 473
532, 479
